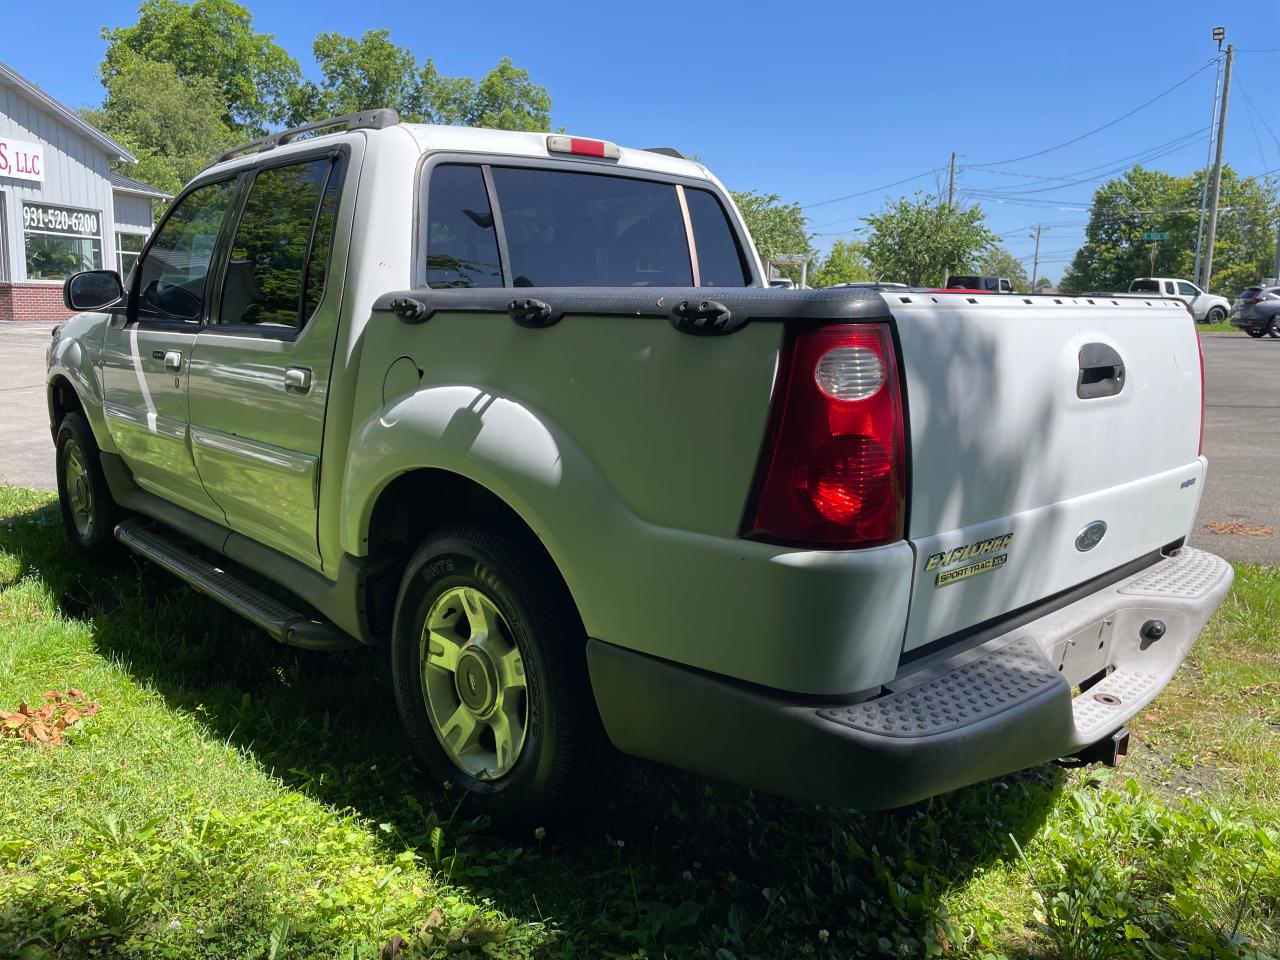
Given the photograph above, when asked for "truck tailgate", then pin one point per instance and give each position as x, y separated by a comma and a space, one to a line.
1026, 438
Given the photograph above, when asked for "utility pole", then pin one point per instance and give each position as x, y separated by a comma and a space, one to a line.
1217, 174
1035, 261
1204, 185
951, 197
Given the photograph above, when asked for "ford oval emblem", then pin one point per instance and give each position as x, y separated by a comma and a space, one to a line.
1090, 536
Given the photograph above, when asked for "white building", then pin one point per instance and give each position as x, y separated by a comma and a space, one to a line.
63, 206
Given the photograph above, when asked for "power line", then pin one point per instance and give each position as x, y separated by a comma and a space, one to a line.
863, 193
1138, 155
1258, 113
1111, 123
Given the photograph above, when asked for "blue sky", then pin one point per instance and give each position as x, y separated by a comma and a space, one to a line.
814, 103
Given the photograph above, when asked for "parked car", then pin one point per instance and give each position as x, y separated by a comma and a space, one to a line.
1257, 311
519, 409
986, 284
1205, 307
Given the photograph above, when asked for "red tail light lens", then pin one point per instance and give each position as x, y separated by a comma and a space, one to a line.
832, 473
1200, 347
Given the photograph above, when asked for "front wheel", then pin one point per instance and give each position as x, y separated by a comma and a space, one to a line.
89, 513
489, 667
1273, 328
1216, 315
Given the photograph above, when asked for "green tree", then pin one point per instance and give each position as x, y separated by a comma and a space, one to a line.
844, 263
999, 262
213, 40
374, 72
1143, 200
916, 241
174, 128
1041, 284
777, 228
357, 75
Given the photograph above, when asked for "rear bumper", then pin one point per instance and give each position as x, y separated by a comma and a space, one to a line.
950, 720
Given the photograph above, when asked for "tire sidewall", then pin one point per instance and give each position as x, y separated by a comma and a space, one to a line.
442, 564
74, 428
1216, 315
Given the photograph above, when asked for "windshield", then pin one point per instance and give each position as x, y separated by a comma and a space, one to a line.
1249, 293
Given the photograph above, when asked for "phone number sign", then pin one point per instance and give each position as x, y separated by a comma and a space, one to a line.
47, 218
21, 160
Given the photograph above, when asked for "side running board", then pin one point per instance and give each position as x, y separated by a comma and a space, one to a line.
278, 619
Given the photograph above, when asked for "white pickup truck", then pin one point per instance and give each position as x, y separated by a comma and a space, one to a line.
522, 409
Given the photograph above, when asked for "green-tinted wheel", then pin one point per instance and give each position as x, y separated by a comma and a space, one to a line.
489, 665
89, 513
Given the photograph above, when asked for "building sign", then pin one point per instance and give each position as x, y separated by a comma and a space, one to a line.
47, 218
21, 160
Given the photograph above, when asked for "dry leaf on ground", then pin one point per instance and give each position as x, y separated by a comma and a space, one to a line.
43, 726
1241, 529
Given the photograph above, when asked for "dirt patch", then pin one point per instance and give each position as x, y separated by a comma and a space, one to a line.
1240, 529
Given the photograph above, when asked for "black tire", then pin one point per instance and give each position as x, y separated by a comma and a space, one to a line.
1256, 332
1216, 315
89, 514
566, 767
1273, 328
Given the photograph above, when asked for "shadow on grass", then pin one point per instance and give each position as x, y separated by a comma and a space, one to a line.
675, 865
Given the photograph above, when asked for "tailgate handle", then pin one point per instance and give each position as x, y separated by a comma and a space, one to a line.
1101, 372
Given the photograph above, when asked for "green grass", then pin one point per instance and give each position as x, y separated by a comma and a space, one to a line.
236, 798
1224, 327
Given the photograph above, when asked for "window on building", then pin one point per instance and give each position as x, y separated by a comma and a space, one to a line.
60, 241
462, 246
171, 277
273, 257
128, 247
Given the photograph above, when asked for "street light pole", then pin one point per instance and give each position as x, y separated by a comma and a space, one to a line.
1204, 184
951, 196
1211, 232
1035, 262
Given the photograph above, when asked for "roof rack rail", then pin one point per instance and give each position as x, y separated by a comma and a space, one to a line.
364, 120
666, 152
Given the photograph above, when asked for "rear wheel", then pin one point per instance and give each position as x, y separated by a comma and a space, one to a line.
1256, 332
1216, 315
489, 667
89, 513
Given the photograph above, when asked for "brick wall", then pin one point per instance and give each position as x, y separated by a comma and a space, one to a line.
32, 301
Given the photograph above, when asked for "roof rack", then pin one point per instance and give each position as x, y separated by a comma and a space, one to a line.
666, 152
364, 120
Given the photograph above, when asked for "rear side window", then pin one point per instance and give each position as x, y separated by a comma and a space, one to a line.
272, 256
1168, 287
462, 244
720, 261
578, 229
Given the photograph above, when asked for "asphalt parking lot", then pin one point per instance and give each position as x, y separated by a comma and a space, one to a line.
1242, 436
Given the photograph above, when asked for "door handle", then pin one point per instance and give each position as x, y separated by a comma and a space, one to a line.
297, 379
173, 360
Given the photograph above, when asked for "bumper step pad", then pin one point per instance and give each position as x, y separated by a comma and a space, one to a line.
284, 623
1097, 709
1000, 680
1189, 576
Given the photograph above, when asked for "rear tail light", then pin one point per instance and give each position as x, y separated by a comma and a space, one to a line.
833, 469
1200, 347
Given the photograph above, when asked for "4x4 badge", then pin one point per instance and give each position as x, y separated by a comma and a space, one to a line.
1090, 536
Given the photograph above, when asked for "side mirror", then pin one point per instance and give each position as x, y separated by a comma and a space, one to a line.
92, 290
